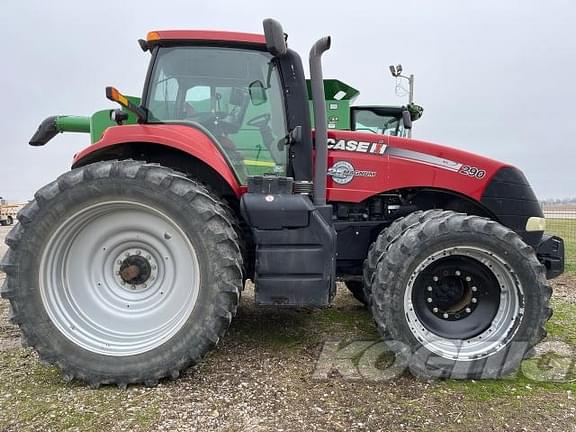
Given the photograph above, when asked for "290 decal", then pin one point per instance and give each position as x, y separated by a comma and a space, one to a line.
472, 171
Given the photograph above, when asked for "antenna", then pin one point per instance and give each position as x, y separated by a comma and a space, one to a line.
396, 72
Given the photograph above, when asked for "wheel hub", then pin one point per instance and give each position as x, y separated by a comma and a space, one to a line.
489, 318
452, 296
456, 297
135, 269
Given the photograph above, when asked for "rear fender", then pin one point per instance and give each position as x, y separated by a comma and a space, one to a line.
186, 138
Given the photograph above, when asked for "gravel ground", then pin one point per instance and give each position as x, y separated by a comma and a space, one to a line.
565, 288
260, 378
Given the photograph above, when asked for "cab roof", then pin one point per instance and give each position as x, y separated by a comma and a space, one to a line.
204, 35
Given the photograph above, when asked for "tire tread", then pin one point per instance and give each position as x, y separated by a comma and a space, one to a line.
395, 249
219, 227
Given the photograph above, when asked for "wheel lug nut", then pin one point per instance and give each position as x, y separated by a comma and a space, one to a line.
468, 310
138, 252
474, 300
435, 278
435, 310
119, 262
468, 279
445, 316
144, 286
458, 273
429, 288
429, 300
474, 289
148, 257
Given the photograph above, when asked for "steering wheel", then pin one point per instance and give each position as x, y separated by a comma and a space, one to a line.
215, 121
259, 121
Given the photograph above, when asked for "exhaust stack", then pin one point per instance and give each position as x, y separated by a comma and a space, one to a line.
321, 133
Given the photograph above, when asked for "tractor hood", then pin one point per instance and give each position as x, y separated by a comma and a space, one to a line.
361, 165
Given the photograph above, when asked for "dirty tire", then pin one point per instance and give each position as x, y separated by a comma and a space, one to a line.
504, 323
357, 290
9, 221
245, 241
199, 224
389, 234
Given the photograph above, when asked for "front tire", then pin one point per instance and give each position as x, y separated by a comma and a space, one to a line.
122, 272
465, 293
377, 250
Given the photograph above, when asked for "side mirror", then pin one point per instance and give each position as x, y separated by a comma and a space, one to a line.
406, 119
275, 39
257, 93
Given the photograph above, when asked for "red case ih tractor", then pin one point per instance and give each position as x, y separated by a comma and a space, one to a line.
129, 268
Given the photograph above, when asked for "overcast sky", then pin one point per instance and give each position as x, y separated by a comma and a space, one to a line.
495, 77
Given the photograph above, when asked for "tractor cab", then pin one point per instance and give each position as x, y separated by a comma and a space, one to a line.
233, 94
232, 88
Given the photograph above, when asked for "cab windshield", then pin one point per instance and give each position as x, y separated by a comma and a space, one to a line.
234, 95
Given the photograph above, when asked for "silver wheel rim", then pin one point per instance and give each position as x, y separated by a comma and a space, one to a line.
504, 325
92, 305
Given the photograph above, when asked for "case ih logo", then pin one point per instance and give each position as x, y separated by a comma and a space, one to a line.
357, 146
343, 172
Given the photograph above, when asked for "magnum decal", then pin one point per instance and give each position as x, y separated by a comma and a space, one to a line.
343, 172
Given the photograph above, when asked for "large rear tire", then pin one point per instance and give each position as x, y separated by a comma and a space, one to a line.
465, 293
122, 272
